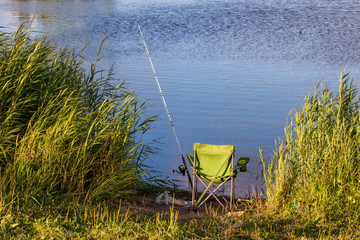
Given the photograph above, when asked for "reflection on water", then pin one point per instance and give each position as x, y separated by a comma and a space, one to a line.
230, 70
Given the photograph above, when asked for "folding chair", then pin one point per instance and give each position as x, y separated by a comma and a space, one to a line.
215, 165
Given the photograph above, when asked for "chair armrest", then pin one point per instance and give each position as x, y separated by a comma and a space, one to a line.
241, 164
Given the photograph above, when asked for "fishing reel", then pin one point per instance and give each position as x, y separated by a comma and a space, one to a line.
182, 170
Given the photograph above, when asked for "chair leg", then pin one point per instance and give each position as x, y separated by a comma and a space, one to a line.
212, 192
232, 194
194, 190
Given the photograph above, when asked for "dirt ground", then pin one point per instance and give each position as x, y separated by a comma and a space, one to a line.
146, 204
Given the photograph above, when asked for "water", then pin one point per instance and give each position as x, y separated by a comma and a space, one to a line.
231, 70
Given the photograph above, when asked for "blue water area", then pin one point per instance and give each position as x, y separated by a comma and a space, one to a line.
230, 70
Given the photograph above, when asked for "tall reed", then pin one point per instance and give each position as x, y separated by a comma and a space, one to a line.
64, 130
318, 163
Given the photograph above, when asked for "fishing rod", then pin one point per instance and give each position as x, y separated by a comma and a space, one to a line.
184, 168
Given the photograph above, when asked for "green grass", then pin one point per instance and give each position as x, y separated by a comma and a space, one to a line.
65, 131
317, 164
71, 160
120, 221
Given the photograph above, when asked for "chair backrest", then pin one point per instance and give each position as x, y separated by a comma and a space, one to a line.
213, 161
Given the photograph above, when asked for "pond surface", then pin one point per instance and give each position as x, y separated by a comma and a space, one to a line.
230, 70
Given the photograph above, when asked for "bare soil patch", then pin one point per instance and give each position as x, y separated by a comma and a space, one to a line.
146, 204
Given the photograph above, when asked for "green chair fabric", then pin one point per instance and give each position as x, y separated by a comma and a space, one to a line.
214, 164
212, 161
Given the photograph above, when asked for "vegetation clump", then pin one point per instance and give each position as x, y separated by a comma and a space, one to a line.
316, 168
70, 149
64, 132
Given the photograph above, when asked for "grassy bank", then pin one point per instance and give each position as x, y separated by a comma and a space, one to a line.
71, 160
65, 132
135, 220
316, 168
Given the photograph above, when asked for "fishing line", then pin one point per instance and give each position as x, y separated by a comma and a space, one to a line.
167, 110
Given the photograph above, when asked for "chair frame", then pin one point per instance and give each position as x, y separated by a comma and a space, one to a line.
207, 187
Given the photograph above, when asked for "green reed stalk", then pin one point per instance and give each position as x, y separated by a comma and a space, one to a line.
318, 161
64, 130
